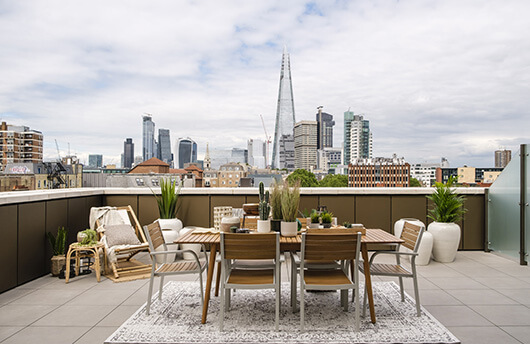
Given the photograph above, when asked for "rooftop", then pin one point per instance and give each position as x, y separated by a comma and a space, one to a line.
480, 297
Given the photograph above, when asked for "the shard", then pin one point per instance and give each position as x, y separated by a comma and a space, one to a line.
282, 151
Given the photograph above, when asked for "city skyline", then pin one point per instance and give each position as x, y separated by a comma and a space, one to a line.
435, 79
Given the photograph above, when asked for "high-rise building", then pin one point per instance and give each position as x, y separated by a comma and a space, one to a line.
239, 155
287, 152
330, 160
128, 153
357, 137
148, 138
186, 150
164, 147
325, 129
95, 160
19, 144
502, 157
285, 117
305, 145
257, 151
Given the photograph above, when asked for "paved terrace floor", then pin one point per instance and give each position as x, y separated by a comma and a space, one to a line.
481, 298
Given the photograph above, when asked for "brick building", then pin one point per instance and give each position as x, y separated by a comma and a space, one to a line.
379, 172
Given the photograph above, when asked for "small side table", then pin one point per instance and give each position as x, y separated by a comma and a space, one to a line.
82, 251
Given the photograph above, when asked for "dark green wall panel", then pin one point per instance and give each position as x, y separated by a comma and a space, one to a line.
31, 241
343, 207
56, 216
473, 238
195, 210
408, 207
147, 209
373, 211
8, 247
122, 200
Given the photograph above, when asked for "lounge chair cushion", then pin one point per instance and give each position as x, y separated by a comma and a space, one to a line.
121, 235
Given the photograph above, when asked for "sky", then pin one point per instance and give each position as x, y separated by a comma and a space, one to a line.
434, 78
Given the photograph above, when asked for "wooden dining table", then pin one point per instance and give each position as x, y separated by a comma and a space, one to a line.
372, 237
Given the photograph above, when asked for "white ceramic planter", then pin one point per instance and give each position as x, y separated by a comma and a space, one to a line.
289, 228
264, 226
170, 231
194, 247
425, 249
446, 238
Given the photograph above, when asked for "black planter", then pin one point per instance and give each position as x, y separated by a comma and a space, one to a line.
326, 225
275, 225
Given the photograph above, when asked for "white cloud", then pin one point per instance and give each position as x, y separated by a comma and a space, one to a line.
435, 78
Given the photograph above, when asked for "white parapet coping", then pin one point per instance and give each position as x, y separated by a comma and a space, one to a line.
13, 197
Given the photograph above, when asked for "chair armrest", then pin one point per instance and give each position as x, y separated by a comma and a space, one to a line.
164, 252
395, 253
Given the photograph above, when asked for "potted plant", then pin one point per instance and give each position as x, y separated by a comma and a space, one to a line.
58, 247
276, 206
326, 219
264, 224
448, 209
290, 202
315, 219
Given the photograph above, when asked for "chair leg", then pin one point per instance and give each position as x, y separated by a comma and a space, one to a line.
222, 306
277, 315
365, 297
161, 287
344, 299
150, 294
357, 310
202, 291
302, 306
417, 296
401, 289
293, 285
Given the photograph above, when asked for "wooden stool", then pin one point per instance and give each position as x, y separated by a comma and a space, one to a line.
82, 251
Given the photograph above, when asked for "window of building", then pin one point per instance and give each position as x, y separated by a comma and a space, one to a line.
140, 182
155, 182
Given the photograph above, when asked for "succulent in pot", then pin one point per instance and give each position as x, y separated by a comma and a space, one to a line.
326, 219
264, 224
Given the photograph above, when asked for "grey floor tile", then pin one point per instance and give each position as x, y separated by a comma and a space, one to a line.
482, 297
47, 297
13, 294
438, 270
507, 282
96, 334
138, 298
48, 335
101, 297
521, 333
108, 284
75, 315
457, 316
22, 315
521, 296
456, 283
513, 315
118, 316
79, 283
437, 297
475, 270
39, 282
8, 331
482, 335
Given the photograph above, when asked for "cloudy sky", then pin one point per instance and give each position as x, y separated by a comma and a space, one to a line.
435, 78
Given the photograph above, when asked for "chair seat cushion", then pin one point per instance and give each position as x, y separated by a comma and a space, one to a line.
325, 277
249, 277
121, 235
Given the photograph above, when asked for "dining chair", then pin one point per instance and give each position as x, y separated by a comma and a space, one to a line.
255, 247
330, 247
318, 265
412, 235
153, 232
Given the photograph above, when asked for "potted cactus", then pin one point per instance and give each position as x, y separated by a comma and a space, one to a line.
264, 224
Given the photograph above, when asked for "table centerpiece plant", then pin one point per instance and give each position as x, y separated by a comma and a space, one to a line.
276, 205
264, 223
290, 202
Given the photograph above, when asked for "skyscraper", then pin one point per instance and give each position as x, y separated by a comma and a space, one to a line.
148, 138
285, 117
164, 146
325, 125
19, 144
305, 145
502, 157
95, 160
256, 152
128, 153
186, 151
357, 137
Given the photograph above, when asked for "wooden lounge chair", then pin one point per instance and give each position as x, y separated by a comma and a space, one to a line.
118, 257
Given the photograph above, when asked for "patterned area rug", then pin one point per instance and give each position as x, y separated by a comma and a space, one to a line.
176, 319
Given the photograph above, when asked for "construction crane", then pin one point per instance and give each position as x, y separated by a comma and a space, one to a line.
58, 151
267, 142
